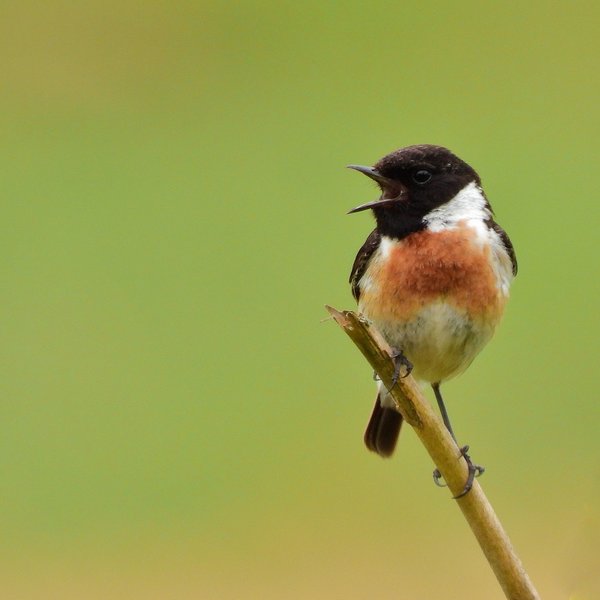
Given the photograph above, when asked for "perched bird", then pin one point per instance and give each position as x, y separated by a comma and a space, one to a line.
433, 276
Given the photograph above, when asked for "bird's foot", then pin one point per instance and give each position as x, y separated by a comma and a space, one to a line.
400, 361
474, 471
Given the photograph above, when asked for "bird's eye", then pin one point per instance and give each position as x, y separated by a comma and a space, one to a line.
422, 176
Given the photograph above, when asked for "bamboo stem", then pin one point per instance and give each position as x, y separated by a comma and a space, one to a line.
445, 453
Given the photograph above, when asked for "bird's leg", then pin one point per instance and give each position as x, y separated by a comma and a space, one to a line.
400, 361
474, 470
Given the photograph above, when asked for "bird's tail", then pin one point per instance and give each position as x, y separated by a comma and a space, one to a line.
384, 426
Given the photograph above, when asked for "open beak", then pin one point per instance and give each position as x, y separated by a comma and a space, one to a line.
385, 183
374, 174
374, 204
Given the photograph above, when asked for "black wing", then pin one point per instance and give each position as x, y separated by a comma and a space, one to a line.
362, 261
507, 245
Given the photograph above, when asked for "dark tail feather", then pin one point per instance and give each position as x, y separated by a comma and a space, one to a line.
383, 429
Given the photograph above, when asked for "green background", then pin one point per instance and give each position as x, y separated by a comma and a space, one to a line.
176, 420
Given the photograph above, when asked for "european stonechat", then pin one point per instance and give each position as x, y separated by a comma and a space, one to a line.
433, 276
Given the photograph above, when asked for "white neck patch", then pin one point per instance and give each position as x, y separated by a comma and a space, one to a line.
468, 205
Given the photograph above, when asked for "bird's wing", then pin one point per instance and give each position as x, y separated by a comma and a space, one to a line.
362, 261
507, 246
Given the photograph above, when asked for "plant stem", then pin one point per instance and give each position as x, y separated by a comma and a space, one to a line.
446, 455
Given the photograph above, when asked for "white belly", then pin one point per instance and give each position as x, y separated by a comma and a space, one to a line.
440, 341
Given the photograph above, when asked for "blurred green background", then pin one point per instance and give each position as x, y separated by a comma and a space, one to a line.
177, 422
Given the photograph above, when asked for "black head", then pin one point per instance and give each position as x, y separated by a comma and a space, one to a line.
414, 181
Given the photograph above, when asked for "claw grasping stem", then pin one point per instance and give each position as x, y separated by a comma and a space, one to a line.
438, 442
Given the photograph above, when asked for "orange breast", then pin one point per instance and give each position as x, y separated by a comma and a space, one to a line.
427, 266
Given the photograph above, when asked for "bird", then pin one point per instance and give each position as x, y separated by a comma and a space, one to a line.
433, 277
